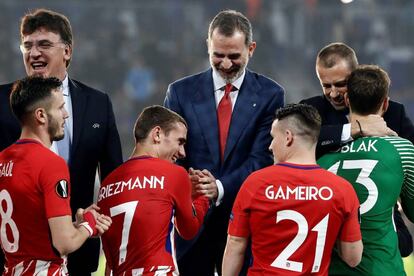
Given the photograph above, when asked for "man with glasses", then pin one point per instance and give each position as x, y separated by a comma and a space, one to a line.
91, 136
334, 64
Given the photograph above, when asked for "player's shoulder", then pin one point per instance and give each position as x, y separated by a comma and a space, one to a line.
335, 182
171, 167
39, 154
395, 140
261, 174
50, 157
255, 181
401, 145
152, 163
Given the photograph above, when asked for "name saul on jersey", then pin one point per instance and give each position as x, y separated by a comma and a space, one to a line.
6, 169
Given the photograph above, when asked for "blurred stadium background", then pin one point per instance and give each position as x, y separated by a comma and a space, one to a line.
132, 49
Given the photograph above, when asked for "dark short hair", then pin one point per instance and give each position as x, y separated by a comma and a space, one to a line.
228, 22
305, 119
333, 53
29, 92
153, 116
368, 86
49, 20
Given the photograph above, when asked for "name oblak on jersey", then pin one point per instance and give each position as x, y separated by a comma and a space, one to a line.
299, 193
150, 182
362, 147
6, 169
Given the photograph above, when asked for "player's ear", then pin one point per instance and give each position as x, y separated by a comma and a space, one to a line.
156, 134
346, 99
385, 105
288, 137
40, 115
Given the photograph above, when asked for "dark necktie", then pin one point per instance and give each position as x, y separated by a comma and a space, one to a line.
224, 116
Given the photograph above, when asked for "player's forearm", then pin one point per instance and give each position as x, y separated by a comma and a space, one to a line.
189, 223
65, 237
350, 252
73, 242
233, 256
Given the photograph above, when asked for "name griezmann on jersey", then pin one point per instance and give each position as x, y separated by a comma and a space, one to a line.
144, 182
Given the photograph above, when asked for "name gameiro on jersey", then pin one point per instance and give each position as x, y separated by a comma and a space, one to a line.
299, 193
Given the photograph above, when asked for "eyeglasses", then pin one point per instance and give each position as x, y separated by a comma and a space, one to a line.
339, 84
41, 46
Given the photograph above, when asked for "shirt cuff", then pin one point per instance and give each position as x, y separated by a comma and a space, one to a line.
220, 191
346, 134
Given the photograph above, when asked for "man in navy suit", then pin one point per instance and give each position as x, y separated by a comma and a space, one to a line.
229, 111
334, 65
91, 137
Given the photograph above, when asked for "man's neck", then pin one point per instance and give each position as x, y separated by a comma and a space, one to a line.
43, 138
301, 155
142, 150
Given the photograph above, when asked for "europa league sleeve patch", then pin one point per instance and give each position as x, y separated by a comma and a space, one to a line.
62, 188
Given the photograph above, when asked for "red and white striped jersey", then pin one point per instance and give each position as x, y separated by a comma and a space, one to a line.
146, 197
37, 267
34, 186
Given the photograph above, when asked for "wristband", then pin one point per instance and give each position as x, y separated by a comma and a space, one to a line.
361, 134
89, 223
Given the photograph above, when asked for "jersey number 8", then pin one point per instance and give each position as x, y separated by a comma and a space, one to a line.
6, 219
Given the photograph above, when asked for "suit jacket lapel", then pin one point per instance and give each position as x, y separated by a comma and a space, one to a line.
246, 105
79, 101
204, 105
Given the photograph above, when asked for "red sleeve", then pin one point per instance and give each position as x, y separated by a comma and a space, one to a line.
240, 215
54, 182
350, 230
189, 216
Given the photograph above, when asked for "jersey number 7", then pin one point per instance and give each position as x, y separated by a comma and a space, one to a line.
129, 209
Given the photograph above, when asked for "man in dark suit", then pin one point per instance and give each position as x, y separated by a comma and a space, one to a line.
91, 137
334, 65
229, 111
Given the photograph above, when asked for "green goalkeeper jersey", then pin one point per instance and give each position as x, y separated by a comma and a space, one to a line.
381, 169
